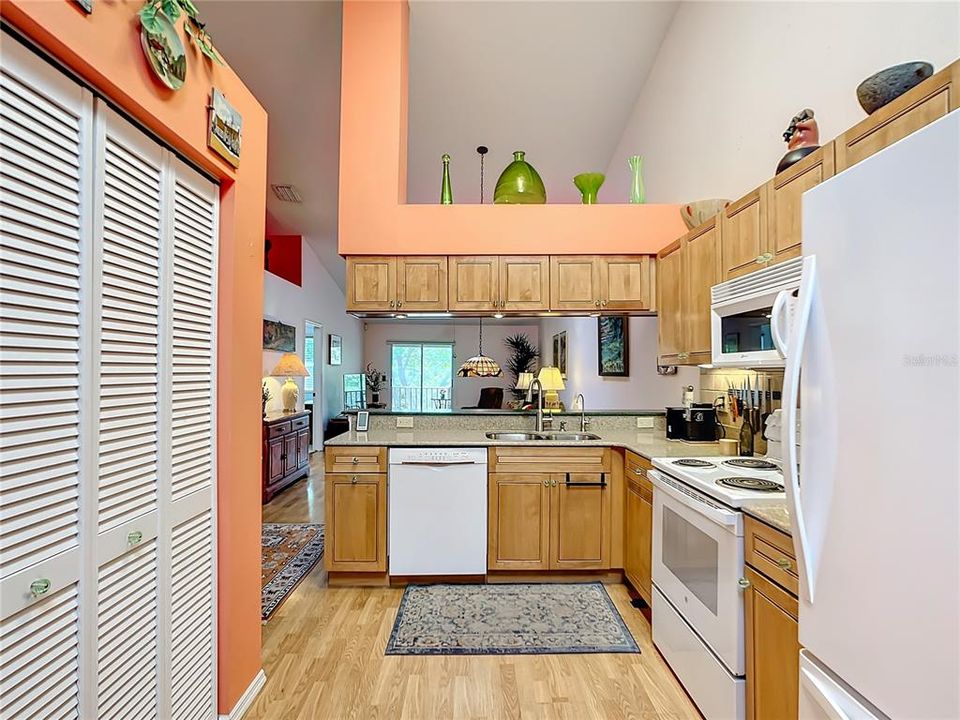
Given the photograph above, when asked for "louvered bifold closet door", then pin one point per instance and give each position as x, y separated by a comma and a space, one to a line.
192, 259
130, 228
45, 235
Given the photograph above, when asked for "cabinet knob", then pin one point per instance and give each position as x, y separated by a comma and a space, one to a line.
639, 471
597, 303
743, 583
39, 587
399, 303
391, 303
784, 563
546, 483
355, 460
603, 303
134, 537
354, 480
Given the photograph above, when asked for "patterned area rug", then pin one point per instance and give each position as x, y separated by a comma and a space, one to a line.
515, 619
289, 551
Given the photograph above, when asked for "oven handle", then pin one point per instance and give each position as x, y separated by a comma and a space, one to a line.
688, 498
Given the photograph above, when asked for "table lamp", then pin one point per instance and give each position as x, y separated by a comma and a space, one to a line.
551, 380
289, 367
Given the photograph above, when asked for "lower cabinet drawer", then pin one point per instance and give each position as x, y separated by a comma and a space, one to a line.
510, 459
355, 459
771, 552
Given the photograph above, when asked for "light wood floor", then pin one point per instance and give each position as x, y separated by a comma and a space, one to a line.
323, 656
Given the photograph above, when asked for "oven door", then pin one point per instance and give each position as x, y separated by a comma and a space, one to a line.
741, 332
697, 563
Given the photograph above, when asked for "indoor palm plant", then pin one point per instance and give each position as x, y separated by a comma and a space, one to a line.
523, 358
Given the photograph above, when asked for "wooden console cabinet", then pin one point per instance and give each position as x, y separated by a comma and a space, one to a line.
286, 451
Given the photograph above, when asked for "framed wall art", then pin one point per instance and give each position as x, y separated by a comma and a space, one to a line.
613, 346
280, 337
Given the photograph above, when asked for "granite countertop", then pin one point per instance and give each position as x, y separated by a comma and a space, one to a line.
505, 411
648, 443
776, 515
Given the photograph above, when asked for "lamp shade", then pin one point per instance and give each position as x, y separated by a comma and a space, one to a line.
551, 379
523, 380
290, 365
480, 366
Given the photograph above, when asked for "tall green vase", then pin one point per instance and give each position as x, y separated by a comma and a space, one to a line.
638, 193
520, 184
589, 185
446, 191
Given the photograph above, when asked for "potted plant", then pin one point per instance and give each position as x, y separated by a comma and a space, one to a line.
375, 380
523, 358
265, 397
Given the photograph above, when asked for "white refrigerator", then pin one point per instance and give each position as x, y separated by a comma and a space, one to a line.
872, 348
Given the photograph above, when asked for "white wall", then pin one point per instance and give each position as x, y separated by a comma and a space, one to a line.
463, 332
730, 75
644, 389
320, 300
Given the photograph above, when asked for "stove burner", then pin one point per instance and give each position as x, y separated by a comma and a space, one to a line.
751, 464
693, 463
750, 483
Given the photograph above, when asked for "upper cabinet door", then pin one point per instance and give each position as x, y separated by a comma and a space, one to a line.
743, 235
574, 282
783, 195
422, 283
525, 282
931, 99
626, 282
700, 271
371, 283
668, 305
474, 282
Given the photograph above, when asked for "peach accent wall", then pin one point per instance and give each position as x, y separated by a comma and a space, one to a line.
104, 49
373, 218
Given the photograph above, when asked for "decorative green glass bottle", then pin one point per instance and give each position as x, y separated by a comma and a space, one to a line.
638, 194
519, 184
446, 192
589, 185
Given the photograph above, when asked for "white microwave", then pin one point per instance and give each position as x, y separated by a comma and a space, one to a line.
746, 312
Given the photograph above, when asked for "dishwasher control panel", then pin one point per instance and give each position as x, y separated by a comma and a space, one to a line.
438, 456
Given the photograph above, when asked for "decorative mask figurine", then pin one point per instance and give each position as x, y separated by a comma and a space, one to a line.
802, 138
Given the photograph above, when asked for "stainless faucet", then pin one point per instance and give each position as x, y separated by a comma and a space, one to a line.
584, 421
538, 386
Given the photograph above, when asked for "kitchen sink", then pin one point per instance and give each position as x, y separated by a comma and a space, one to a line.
514, 436
532, 436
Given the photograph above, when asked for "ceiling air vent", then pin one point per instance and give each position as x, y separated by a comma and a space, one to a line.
287, 193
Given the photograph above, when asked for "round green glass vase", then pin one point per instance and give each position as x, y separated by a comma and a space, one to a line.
519, 184
589, 185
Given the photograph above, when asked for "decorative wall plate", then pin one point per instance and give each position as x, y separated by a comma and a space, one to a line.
165, 52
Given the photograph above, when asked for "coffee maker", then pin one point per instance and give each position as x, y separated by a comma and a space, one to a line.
693, 421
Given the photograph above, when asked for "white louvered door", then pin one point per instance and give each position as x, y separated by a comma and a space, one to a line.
45, 195
108, 261
129, 229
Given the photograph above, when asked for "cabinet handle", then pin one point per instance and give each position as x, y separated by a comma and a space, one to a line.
640, 471
134, 537
546, 483
39, 587
399, 303
783, 563
391, 303
743, 583
354, 480
355, 460
603, 304
759, 260
597, 303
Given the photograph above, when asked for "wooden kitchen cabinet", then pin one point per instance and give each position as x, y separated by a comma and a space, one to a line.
783, 195
670, 327
518, 534
920, 106
536, 520
772, 650
743, 235
627, 282
580, 522
700, 271
371, 283
638, 526
388, 284
491, 283
285, 451
356, 516
422, 283
574, 282
524, 283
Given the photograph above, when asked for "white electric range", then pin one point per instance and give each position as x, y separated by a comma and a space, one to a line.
698, 606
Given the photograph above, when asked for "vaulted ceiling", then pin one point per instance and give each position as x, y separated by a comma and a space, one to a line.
555, 79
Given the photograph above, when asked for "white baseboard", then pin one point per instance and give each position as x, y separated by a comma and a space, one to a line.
249, 695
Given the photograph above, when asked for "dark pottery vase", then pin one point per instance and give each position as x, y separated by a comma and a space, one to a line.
886, 85
795, 156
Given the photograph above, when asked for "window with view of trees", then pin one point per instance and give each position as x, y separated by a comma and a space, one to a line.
421, 376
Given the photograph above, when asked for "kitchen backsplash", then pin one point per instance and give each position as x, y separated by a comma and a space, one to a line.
716, 383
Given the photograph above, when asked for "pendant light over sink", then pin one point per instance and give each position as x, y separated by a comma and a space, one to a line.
480, 365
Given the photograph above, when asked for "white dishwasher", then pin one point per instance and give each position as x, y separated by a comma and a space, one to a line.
437, 511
